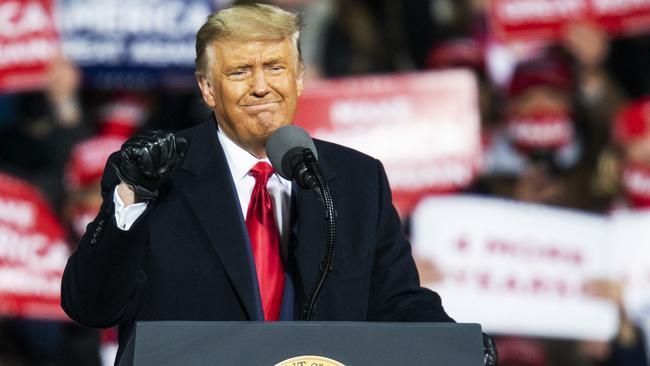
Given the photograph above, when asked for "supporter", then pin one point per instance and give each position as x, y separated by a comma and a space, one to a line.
556, 121
364, 37
26, 336
47, 123
428, 24
118, 120
628, 346
532, 153
623, 176
83, 174
597, 96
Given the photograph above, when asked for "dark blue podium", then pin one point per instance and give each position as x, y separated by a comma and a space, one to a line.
175, 343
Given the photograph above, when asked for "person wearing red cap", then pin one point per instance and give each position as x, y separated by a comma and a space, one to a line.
83, 173
534, 151
117, 120
631, 134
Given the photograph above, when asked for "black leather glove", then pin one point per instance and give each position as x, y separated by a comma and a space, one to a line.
490, 354
147, 160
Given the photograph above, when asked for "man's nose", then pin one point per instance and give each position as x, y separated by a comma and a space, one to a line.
261, 86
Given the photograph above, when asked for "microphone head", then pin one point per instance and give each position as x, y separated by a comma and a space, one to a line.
285, 140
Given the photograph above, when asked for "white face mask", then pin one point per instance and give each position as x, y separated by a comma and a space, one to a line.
636, 183
542, 130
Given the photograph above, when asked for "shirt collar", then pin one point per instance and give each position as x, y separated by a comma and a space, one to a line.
241, 161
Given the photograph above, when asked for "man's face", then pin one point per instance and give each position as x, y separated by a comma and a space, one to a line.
253, 88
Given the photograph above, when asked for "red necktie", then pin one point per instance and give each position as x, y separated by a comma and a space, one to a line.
265, 242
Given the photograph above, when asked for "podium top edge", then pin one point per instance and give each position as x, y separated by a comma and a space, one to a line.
145, 324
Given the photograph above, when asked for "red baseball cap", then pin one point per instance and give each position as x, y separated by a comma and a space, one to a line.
457, 52
632, 121
87, 160
549, 70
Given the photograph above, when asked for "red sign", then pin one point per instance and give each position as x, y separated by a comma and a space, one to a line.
543, 20
33, 253
28, 40
424, 127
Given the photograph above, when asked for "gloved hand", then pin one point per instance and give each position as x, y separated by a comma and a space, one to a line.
148, 158
490, 354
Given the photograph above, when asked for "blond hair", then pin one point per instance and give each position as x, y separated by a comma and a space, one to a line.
246, 22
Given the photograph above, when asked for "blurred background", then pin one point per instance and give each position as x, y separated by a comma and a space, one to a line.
515, 134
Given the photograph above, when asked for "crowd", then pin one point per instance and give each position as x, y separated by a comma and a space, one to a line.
564, 124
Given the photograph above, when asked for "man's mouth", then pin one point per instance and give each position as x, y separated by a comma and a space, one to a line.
261, 104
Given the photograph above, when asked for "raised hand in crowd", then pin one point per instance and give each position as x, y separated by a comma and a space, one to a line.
428, 270
627, 348
613, 291
63, 81
588, 43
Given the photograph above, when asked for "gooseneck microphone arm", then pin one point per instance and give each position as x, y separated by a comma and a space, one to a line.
294, 156
322, 188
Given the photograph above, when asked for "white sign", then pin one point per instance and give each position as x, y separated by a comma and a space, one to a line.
517, 268
631, 262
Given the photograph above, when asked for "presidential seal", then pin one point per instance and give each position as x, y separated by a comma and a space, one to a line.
309, 361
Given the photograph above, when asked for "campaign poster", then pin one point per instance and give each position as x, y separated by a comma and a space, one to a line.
517, 268
423, 127
630, 240
133, 44
545, 20
28, 41
33, 253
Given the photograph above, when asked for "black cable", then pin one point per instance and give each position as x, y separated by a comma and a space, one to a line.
330, 215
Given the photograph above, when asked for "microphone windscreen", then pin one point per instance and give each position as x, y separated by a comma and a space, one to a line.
283, 140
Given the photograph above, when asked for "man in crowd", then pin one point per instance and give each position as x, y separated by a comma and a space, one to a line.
224, 237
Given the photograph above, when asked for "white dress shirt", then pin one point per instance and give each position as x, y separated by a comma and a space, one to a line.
240, 163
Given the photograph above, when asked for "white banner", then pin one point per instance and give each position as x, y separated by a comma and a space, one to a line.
517, 268
631, 262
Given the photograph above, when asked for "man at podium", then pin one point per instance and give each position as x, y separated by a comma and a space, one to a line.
198, 225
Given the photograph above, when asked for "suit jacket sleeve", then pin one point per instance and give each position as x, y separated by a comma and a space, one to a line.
104, 277
395, 292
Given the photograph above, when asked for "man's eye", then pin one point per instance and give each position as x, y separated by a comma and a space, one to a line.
277, 68
237, 73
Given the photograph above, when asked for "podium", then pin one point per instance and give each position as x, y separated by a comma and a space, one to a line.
172, 343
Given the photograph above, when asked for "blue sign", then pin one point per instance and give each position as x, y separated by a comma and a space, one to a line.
137, 44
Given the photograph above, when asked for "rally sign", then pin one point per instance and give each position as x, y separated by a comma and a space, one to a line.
33, 253
631, 261
424, 127
134, 44
517, 268
539, 20
28, 41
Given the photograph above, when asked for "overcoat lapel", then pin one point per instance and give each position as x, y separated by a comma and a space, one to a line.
211, 193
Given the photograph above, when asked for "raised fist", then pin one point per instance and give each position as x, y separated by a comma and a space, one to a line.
148, 158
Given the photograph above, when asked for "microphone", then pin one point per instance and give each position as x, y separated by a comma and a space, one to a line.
293, 155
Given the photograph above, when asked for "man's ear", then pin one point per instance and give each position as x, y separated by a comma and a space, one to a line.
206, 91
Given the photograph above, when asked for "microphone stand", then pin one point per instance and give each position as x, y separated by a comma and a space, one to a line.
322, 188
